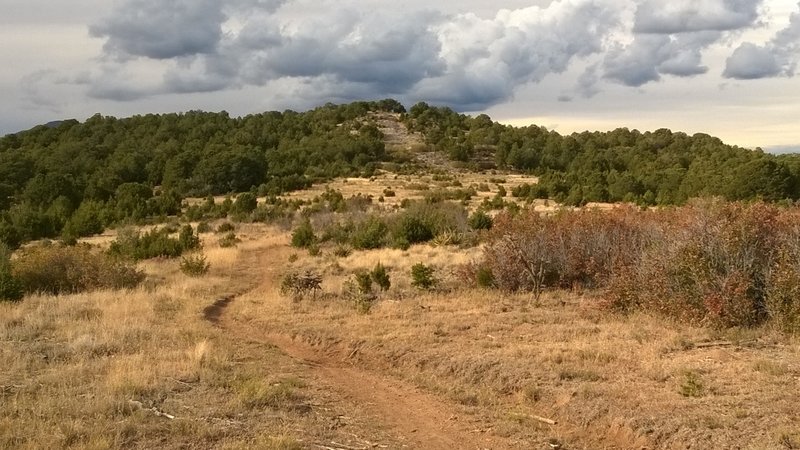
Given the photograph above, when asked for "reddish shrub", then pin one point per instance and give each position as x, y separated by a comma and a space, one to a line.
711, 262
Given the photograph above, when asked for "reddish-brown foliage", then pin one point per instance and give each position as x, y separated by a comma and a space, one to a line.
711, 262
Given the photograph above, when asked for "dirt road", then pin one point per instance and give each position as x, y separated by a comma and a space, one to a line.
418, 419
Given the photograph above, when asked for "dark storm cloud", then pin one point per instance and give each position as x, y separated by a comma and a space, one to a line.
778, 57
463, 60
161, 29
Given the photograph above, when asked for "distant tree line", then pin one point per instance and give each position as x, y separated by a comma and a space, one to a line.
77, 178
659, 167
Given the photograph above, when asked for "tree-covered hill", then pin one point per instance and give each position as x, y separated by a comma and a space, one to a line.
105, 170
74, 179
659, 167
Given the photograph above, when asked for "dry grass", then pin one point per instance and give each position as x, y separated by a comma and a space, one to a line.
610, 381
95, 371
415, 187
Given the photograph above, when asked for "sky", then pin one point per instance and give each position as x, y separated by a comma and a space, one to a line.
722, 67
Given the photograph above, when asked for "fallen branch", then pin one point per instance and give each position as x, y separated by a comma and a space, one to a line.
347, 447
713, 344
544, 420
154, 410
162, 414
339, 447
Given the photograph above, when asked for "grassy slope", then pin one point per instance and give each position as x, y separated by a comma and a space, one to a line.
95, 370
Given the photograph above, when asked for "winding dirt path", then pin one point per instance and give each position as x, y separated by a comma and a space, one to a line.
421, 420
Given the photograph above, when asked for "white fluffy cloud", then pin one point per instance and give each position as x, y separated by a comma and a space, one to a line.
670, 38
681, 16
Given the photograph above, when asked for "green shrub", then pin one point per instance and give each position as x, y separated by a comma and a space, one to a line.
68, 270
479, 220
388, 193
194, 265
87, 220
358, 290
369, 234
226, 227
421, 222
422, 276
154, 243
484, 277
301, 285
401, 243
303, 236
692, 385
10, 286
188, 239
203, 227
245, 203
363, 281
342, 251
229, 240
412, 229
381, 277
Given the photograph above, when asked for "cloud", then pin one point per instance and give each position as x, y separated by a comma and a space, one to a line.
33, 88
778, 57
461, 60
749, 62
681, 16
488, 58
650, 56
669, 39
161, 29
587, 82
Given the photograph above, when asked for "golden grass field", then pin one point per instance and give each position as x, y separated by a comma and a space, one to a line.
168, 366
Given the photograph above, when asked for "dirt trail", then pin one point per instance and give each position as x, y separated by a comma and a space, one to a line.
421, 420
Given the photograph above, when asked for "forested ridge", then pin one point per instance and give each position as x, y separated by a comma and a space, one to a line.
75, 179
659, 167
81, 177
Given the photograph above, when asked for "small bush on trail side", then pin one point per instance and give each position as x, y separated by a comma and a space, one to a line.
422, 276
300, 286
154, 243
194, 265
69, 270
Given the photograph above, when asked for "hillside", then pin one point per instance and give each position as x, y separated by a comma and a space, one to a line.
77, 179
358, 277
